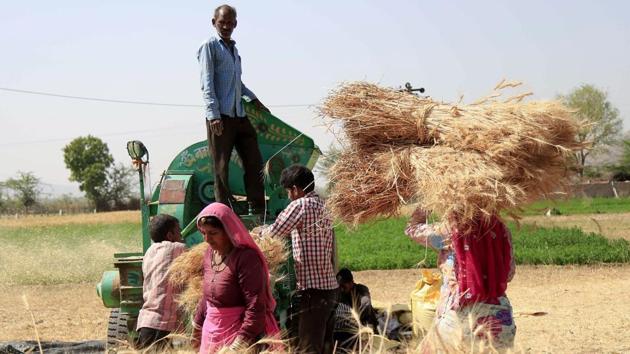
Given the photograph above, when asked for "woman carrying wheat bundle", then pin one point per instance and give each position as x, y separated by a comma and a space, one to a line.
236, 308
476, 260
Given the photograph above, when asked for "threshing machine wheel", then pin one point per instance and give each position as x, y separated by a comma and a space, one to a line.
117, 331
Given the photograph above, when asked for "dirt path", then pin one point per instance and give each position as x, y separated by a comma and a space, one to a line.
587, 308
62, 313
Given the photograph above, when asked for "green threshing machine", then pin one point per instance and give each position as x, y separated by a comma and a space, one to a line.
184, 189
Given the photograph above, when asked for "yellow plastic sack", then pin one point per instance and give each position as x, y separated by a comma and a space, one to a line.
424, 300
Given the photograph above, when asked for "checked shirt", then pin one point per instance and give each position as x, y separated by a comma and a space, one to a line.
221, 83
159, 310
312, 237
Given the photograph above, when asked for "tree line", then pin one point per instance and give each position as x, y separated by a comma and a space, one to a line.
106, 185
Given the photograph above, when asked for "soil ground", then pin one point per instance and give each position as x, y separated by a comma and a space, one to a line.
587, 308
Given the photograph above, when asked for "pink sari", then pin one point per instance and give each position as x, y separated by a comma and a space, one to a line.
220, 327
222, 324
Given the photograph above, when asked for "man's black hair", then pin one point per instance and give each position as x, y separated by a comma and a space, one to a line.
227, 8
299, 176
344, 276
161, 225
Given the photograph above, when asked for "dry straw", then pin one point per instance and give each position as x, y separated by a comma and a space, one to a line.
458, 160
28, 309
186, 274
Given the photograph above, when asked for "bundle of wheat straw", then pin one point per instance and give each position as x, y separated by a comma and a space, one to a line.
441, 179
186, 272
373, 116
275, 251
368, 185
464, 161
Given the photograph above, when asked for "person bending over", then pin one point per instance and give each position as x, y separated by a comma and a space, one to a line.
237, 305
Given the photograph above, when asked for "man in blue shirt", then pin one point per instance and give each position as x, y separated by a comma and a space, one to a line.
227, 124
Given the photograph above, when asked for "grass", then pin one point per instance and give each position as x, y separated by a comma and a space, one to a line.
25, 221
59, 254
609, 225
382, 245
561, 246
580, 206
78, 250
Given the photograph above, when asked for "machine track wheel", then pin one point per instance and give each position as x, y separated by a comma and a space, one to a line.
117, 331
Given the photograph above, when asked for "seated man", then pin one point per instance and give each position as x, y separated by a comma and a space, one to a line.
354, 297
158, 316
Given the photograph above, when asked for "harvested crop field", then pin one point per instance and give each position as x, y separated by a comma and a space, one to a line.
113, 217
586, 308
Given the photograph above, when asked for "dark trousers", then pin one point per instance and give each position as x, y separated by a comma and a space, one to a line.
240, 134
147, 336
345, 340
316, 321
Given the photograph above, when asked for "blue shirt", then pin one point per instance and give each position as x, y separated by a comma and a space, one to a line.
221, 83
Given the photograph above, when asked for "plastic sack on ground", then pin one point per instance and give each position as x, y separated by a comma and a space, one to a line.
424, 300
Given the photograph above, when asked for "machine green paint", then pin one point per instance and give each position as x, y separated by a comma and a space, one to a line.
185, 188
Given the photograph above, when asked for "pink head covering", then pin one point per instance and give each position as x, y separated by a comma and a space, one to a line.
240, 237
483, 261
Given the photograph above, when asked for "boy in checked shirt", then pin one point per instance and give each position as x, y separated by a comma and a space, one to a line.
158, 316
310, 227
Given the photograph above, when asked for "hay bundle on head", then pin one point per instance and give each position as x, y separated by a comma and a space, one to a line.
465, 161
373, 116
369, 185
447, 181
186, 272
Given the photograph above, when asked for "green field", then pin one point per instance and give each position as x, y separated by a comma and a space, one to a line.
75, 253
382, 245
580, 206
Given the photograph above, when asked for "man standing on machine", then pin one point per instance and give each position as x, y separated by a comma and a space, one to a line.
227, 124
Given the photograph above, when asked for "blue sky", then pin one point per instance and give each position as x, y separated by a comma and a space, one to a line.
293, 53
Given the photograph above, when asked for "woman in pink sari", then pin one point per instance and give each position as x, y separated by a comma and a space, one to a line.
237, 306
477, 262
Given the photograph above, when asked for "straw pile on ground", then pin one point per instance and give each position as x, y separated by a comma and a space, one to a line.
462, 161
186, 272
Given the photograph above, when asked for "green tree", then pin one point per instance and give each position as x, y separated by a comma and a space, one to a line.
120, 180
625, 155
88, 160
3, 200
622, 166
26, 187
603, 124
